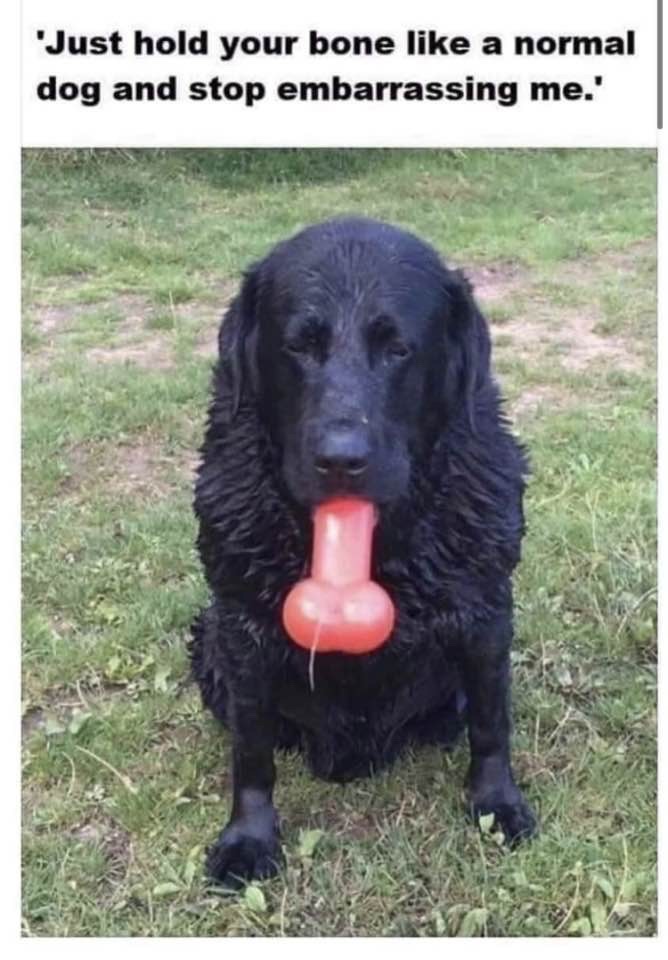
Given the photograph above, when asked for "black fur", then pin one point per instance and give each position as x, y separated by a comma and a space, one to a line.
354, 337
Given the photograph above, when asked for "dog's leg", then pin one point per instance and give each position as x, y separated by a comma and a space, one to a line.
249, 846
485, 664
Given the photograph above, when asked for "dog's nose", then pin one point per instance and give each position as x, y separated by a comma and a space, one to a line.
343, 453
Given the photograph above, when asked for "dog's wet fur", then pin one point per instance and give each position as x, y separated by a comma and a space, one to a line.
353, 361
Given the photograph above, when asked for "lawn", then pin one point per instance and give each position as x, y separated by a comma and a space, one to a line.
129, 260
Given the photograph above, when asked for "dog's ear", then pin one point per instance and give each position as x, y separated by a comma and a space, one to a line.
237, 342
467, 345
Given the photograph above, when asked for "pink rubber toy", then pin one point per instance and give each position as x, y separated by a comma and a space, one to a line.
339, 609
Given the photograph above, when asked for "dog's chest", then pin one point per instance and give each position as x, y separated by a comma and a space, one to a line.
408, 670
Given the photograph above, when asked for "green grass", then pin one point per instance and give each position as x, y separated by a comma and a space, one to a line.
129, 259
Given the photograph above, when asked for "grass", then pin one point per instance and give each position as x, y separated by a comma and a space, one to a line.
129, 258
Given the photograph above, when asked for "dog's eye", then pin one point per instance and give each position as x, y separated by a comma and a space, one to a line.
306, 345
398, 350
385, 340
297, 348
308, 341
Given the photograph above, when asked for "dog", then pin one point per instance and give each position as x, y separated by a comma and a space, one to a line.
354, 362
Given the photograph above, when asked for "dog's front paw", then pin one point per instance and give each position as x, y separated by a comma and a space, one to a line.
512, 814
242, 853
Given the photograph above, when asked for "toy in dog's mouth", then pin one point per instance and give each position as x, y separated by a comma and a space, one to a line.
339, 609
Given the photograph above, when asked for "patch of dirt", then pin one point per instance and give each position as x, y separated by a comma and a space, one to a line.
535, 397
153, 354
33, 719
139, 469
207, 346
584, 345
623, 261
52, 702
143, 467
360, 826
494, 281
136, 468
51, 319
220, 295
207, 342
48, 319
570, 331
133, 343
113, 841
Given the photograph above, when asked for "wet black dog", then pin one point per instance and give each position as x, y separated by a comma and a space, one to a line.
353, 361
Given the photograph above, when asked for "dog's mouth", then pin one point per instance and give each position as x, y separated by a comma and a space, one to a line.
344, 485
382, 480
312, 485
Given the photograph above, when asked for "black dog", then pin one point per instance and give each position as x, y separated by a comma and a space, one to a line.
353, 361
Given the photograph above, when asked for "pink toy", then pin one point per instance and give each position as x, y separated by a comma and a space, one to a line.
339, 609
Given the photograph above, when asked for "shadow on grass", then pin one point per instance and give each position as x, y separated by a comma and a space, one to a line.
236, 169
243, 169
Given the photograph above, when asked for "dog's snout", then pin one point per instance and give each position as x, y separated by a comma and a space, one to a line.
342, 453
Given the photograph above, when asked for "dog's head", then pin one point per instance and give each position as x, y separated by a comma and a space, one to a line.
358, 347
